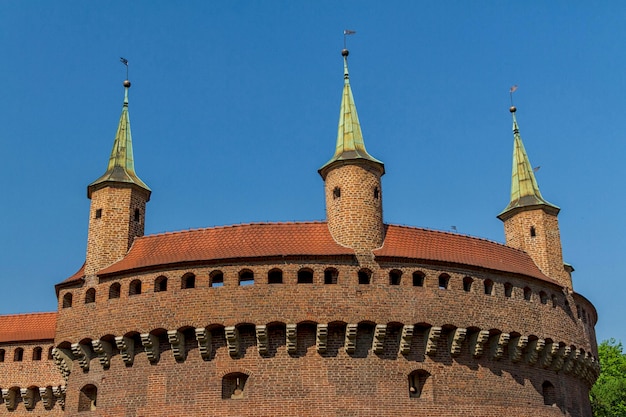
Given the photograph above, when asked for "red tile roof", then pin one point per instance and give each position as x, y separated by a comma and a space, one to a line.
230, 242
259, 240
25, 327
432, 245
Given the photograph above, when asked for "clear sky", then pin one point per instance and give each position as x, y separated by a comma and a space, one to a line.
234, 107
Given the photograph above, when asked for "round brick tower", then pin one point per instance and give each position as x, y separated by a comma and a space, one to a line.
352, 182
118, 202
530, 222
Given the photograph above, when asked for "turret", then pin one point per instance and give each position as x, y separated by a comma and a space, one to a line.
118, 202
530, 222
352, 182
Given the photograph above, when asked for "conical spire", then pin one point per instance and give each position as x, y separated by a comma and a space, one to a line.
121, 168
350, 145
524, 189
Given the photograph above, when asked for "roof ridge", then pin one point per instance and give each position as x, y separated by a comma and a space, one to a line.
228, 226
36, 313
443, 232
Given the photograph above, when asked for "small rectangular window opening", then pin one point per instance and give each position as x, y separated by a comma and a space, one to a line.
98, 213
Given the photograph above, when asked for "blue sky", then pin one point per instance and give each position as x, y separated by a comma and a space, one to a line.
234, 107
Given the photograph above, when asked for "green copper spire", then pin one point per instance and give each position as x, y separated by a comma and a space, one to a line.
350, 145
121, 168
524, 189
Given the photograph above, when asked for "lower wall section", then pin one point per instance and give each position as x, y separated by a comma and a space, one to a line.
305, 383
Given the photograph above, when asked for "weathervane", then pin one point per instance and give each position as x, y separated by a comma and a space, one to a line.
346, 33
125, 62
511, 91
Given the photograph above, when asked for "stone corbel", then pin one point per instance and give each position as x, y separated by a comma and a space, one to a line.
406, 338
83, 354
560, 357
516, 348
477, 342
549, 353
28, 398
177, 341
104, 350
63, 361
150, 344
350, 341
499, 343
10, 398
455, 341
203, 337
292, 338
126, 345
431, 337
59, 394
534, 349
378, 343
47, 398
261, 339
232, 340
321, 338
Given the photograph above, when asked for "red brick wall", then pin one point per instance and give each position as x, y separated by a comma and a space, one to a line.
29, 373
110, 236
544, 247
335, 383
355, 219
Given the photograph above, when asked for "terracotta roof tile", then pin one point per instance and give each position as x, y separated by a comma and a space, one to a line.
25, 327
259, 240
230, 242
431, 245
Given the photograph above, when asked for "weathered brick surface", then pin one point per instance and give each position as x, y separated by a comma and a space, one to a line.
110, 235
29, 374
544, 247
309, 383
355, 217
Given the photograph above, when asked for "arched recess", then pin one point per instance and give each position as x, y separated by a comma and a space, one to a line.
216, 279
488, 284
37, 353
234, 386
67, 300
115, 290
467, 284
395, 276
549, 393
90, 296
160, 284
18, 355
365, 276
275, 276
444, 281
135, 287
305, 276
418, 279
330, 276
246, 277
88, 397
420, 384
188, 281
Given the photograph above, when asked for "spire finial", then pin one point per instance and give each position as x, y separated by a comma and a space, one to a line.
126, 81
121, 167
350, 145
524, 189
345, 53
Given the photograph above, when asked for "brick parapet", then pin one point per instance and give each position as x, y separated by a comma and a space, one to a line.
347, 301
